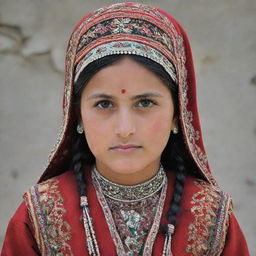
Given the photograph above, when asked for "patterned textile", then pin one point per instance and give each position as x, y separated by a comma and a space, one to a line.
131, 193
46, 210
133, 221
208, 206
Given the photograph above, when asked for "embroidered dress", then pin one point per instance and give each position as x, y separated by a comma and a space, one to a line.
196, 236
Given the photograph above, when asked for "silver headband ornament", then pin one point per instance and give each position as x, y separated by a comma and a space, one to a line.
125, 47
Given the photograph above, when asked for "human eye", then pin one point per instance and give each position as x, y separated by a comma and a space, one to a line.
103, 104
146, 103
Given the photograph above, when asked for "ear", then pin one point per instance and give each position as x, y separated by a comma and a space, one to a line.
78, 116
174, 123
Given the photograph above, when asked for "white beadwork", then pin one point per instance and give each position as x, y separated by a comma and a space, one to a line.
92, 244
125, 47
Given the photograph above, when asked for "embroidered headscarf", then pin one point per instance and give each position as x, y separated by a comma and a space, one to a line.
131, 28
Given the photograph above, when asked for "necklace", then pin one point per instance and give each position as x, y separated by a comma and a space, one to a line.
156, 182
132, 193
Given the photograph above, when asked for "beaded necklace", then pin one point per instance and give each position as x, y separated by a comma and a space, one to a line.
132, 193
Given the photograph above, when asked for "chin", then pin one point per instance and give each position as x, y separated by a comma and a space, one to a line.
126, 167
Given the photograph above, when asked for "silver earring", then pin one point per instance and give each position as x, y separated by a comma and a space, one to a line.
175, 130
79, 129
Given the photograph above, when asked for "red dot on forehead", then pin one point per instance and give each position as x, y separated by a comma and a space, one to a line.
123, 91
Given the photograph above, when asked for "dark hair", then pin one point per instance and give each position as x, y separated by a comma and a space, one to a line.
175, 157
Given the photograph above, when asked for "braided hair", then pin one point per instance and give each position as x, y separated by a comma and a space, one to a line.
181, 162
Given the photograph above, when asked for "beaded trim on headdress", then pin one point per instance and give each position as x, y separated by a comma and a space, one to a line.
126, 47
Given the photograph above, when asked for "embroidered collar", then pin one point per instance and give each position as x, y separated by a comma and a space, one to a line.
131, 193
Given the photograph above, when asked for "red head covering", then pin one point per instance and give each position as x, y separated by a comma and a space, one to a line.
132, 28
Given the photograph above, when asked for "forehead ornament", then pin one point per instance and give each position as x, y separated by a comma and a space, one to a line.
123, 91
126, 47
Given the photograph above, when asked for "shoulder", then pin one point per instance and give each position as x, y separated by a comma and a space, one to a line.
50, 193
52, 185
47, 204
202, 191
210, 208
19, 234
67, 176
20, 217
49, 196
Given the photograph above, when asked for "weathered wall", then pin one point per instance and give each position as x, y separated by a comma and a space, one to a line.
33, 38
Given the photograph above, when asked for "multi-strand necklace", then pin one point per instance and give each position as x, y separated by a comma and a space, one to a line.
132, 193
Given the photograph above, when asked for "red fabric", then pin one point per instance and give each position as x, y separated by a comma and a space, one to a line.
235, 241
19, 238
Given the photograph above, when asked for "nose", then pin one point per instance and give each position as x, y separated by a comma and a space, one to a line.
125, 124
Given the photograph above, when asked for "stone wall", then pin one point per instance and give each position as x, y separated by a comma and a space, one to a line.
33, 38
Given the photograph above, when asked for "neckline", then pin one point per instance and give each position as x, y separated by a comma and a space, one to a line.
132, 193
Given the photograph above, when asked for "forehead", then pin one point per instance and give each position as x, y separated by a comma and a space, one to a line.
125, 76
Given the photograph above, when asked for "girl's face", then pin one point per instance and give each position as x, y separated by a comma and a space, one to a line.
127, 115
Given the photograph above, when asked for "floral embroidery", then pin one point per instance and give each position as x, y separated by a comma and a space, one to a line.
207, 232
134, 220
124, 26
46, 210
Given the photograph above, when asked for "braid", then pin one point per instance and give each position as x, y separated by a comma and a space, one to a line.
182, 164
178, 190
77, 164
177, 195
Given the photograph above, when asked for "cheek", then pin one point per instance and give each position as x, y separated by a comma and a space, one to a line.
158, 130
160, 123
161, 130
95, 141
96, 132
91, 122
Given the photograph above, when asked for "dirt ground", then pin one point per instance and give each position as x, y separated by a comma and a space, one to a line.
33, 38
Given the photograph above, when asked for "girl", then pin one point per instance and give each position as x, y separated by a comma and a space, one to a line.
129, 174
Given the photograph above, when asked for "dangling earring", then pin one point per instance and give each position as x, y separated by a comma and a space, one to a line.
175, 130
79, 129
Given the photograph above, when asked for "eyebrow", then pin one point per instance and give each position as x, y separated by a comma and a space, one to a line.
139, 96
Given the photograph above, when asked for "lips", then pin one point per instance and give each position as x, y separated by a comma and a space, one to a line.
125, 147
